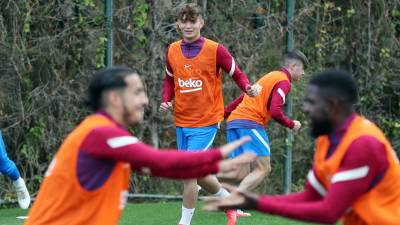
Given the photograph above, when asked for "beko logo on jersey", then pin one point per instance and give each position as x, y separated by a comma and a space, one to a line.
194, 85
190, 83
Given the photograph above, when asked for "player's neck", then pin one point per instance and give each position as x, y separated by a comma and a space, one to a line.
115, 115
341, 119
191, 40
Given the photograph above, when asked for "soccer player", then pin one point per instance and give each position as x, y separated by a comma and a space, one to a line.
355, 175
87, 181
248, 116
194, 77
8, 168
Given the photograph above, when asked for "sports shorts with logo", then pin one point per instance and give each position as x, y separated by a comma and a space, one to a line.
259, 143
195, 138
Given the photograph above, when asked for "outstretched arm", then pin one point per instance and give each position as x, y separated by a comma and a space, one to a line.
118, 145
232, 106
296, 206
361, 168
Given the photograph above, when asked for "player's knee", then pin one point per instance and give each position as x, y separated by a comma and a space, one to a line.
241, 175
263, 165
261, 173
189, 183
267, 169
264, 170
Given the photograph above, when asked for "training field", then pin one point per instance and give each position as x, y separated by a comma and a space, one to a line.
163, 214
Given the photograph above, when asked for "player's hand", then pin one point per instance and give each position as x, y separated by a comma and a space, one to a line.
236, 200
253, 90
228, 148
165, 107
296, 126
228, 167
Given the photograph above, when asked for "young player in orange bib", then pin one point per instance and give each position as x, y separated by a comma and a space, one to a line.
194, 78
249, 116
355, 175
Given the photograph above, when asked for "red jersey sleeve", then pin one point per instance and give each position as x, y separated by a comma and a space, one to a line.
275, 105
168, 90
228, 64
118, 145
169, 85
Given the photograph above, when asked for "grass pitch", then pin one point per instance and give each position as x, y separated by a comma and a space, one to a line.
164, 214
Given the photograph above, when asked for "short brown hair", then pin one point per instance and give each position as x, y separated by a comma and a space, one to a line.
297, 55
189, 12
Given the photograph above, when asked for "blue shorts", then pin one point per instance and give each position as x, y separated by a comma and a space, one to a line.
259, 143
195, 138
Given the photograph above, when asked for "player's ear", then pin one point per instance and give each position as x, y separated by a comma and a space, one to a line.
112, 98
201, 22
292, 66
178, 29
335, 106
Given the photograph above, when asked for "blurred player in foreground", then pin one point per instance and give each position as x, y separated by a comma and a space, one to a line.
355, 175
87, 181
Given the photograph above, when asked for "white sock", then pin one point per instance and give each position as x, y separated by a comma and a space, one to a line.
187, 215
19, 182
223, 193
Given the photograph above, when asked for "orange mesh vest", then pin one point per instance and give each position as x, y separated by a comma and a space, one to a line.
380, 205
255, 109
198, 86
63, 201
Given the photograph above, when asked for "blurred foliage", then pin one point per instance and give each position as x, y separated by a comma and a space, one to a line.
49, 49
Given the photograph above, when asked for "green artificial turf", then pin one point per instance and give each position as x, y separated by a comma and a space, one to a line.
164, 214
169, 214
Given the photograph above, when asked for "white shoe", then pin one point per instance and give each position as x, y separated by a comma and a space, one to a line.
24, 200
